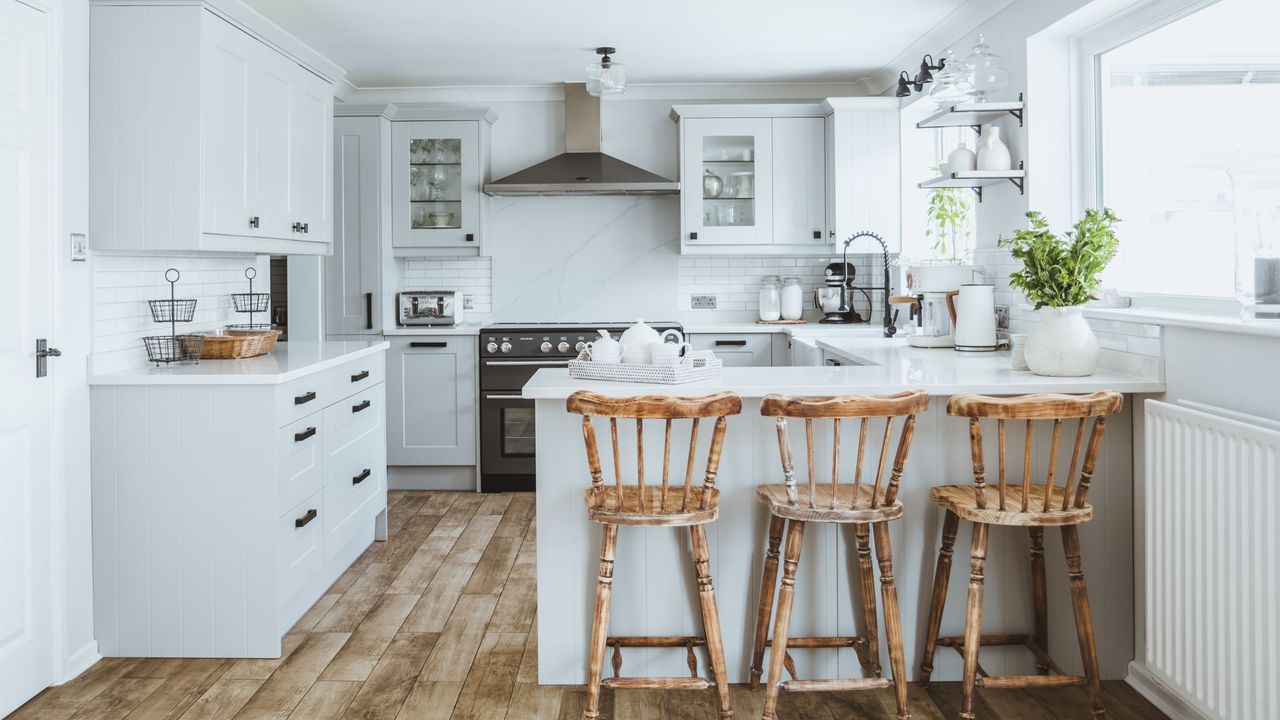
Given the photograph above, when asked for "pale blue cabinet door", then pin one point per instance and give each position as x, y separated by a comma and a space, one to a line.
431, 401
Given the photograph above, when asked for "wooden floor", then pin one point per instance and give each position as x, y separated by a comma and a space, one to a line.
438, 623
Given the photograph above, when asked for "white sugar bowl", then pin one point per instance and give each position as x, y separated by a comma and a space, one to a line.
638, 341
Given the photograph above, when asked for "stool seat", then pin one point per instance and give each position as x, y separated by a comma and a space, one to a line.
775, 497
963, 501
645, 506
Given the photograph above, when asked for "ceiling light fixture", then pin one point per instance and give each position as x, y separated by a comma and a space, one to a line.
606, 77
924, 76
904, 85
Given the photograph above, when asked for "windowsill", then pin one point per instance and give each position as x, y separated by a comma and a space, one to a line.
1178, 318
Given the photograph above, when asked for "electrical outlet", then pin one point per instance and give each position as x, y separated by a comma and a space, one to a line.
704, 302
468, 302
79, 247
1002, 317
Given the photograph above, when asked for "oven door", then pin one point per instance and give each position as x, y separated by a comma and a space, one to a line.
507, 438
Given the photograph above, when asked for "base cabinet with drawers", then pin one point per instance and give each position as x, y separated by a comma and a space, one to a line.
222, 511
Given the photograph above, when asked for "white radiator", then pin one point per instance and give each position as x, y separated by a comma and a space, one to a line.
1212, 564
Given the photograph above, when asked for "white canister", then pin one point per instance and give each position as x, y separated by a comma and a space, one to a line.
792, 299
1018, 352
770, 298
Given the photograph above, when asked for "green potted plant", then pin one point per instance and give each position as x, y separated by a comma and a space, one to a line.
1059, 274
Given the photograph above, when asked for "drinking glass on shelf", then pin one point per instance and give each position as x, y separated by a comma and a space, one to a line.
419, 189
420, 151
731, 214
418, 217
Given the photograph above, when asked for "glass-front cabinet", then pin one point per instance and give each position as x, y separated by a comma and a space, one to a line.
436, 181
726, 181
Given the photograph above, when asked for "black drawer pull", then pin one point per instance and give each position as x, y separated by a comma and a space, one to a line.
304, 399
364, 475
299, 437
302, 521
360, 376
731, 343
435, 344
362, 406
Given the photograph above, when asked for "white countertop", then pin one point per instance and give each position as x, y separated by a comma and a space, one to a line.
891, 366
812, 327
288, 361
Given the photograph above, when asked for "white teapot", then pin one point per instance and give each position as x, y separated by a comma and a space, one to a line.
638, 341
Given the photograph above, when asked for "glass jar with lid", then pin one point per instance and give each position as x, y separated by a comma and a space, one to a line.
792, 299
1257, 221
985, 70
770, 298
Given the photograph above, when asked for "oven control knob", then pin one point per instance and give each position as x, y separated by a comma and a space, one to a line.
506, 347
491, 347
563, 347
580, 346
545, 347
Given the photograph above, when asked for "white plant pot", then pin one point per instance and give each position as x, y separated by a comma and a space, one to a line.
1062, 344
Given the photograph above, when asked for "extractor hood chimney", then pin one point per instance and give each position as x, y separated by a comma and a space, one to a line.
582, 169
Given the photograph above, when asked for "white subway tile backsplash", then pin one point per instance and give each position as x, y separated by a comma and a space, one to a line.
468, 276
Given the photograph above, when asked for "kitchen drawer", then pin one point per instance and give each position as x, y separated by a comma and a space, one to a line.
356, 376
301, 545
349, 422
349, 499
299, 398
300, 458
737, 350
351, 457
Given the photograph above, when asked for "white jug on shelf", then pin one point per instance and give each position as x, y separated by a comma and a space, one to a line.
993, 154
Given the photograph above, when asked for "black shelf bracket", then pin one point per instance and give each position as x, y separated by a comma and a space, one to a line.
1016, 113
1019, 183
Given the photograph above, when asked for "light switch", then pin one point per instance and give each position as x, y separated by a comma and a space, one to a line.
79, 247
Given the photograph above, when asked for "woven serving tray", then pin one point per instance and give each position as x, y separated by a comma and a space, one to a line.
232, 344
697, 365
782, 322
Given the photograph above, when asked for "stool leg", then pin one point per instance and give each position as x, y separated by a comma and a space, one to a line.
1084, 618
867, 586
973, 617
1039, 595
782, 619
768, 588
600, 625
710, 617
942, 575
892, 618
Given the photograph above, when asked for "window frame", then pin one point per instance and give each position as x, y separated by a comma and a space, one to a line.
1085, 49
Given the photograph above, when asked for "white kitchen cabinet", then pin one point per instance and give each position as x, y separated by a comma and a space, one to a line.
212, 129
864, 187
738, 349
431, 384
770, 162
438, 168
354, 291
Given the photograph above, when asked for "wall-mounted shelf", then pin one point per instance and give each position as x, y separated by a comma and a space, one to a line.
973, 114
978, 179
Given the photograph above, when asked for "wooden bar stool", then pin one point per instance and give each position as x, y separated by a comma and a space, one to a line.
655, 505
1021, 505
861, 505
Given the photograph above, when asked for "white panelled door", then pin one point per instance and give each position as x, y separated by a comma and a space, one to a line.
25, 500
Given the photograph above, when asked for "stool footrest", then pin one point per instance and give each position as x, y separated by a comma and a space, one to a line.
830, 685
657, 683
821, 642
656, 641
958, 640
1026, 681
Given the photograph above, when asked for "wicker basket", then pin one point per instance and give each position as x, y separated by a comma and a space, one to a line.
697, 365
232, 344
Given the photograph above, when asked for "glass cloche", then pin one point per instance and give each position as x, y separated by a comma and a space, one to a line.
985, 71
1257, 225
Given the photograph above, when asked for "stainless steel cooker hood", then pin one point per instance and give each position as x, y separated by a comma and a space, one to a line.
582, 169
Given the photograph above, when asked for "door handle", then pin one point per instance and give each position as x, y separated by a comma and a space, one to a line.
731, 343
304, 399
299, 437
693, 236
297, 227
253, 221
437, 344
512, 363
360, 376
364, 475
302, 521
361, 407
470, 237
817, 234
368, 311
43, 353
503, 397
306, 229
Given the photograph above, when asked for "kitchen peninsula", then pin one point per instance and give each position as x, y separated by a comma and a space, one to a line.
651, 569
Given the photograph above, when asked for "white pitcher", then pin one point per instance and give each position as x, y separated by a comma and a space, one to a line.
606, 349
976, 318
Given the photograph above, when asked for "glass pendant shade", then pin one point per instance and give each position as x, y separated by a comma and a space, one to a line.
986, 71
606, 78
951, 83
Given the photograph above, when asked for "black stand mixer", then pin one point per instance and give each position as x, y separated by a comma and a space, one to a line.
836, 299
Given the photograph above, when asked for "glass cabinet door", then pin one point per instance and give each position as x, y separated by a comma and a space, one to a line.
727, 181
436, 184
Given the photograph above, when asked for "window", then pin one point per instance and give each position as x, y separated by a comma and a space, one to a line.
1177, 109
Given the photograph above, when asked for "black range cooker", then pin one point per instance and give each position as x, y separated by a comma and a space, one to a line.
509, 356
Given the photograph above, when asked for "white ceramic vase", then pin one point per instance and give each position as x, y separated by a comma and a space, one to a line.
961, 159
1062, 344
993, 154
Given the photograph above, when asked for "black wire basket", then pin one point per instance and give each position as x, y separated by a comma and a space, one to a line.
173, 348
251, 326
251, 302
172, 310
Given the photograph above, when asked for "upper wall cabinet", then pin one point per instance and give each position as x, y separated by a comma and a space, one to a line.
210, 130
752, 179
864, 185
439, 164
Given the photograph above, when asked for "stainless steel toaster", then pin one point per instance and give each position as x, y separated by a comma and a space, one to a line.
428, 307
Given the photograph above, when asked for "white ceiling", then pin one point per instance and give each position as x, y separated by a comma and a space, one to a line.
438, 43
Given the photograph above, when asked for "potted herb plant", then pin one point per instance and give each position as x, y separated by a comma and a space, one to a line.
1059, 274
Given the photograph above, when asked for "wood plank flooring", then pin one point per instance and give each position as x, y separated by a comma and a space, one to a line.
437, 623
